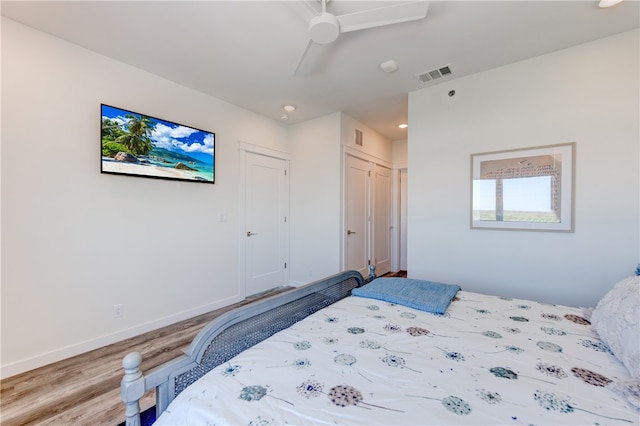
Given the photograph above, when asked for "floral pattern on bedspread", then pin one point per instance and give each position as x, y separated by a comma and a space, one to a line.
487, 360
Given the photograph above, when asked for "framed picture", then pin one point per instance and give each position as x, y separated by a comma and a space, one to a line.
140, 145
525, 189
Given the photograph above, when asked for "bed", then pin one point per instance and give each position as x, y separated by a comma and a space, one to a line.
399, 351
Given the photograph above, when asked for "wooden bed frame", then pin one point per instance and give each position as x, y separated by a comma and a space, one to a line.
225, 337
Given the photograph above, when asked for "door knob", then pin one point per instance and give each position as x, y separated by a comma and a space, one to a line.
249, 233
349, 232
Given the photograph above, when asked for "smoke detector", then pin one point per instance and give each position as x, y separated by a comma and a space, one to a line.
389, 66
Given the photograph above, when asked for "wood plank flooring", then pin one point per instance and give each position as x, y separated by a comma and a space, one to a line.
85, 389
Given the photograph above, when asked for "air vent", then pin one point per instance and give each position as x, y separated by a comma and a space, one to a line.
434, 74
358, 137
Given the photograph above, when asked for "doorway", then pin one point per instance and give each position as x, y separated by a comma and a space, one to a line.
265, 233
357, 215
368, 218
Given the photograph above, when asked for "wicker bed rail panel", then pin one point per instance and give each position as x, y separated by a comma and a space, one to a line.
246, 332
226, 336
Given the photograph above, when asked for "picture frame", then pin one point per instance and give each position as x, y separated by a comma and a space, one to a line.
140, 145
528, 189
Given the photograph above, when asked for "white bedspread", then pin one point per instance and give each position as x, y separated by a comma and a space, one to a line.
487, 360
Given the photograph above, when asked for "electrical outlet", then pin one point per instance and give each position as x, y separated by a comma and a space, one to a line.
117, 311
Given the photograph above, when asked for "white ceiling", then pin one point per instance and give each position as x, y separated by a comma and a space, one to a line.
246, 52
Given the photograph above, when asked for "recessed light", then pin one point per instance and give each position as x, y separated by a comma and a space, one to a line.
284, 117
289, 108
403, 125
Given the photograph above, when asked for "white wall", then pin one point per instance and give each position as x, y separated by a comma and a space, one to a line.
76, 242
373, 144
588, 94
315, 199
399, 156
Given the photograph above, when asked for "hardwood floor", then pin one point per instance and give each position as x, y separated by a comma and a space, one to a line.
85, 389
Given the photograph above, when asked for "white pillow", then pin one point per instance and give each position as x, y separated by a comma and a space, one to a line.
616, 319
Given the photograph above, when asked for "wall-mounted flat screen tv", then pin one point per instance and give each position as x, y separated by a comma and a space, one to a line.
140, 145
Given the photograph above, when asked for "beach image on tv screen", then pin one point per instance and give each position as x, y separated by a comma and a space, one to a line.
141, 145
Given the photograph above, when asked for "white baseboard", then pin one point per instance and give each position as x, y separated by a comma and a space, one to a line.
46, 358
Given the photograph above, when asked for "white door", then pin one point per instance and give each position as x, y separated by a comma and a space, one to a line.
266, 209
357, 222
381, 212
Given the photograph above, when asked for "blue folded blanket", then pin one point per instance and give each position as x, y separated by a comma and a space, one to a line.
418, 294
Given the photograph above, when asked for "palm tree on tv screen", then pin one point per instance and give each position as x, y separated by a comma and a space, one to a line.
138, 140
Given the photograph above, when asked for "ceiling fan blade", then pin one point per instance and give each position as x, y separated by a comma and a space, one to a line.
311, 9
310, 58
387, 15
304, 9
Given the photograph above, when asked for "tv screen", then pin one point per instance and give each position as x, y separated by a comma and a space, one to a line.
140, 145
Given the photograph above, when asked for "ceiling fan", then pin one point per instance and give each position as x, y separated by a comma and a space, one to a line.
324, 27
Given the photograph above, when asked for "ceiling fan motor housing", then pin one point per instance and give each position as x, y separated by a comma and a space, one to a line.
324, 28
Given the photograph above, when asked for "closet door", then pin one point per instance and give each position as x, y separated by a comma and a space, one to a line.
356, 215
367, 216
381, 217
